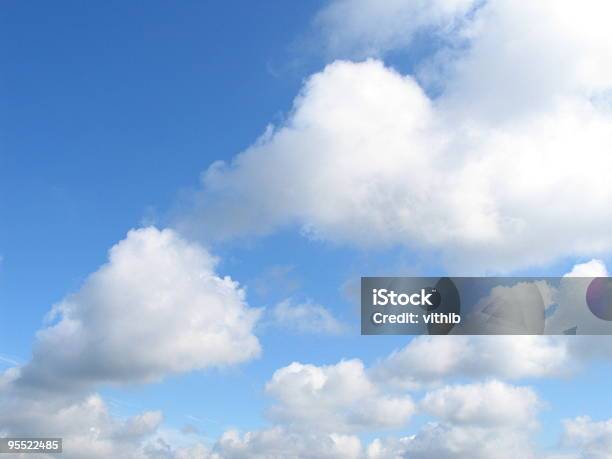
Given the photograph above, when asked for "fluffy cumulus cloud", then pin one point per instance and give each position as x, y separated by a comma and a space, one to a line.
489, 420
279, 443
509, 357
593, 439
306, 318
157, 307
334, 398
319, 410
495, 154
482, 420
458, 442
593, 268
486, 404
507, 166
88, 427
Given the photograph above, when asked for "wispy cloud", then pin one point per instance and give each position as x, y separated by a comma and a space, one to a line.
306, 318
10, 360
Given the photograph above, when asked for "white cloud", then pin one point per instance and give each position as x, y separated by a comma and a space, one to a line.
511, 357
573, 311
388, 448
169, 444
488, 404
533, 59
157, 307
276, 443
370, 27
87, 424
491, 420
435, 441
306, 318
507, 167
593, 268
334, 398
485, 420
592, 438
88, 428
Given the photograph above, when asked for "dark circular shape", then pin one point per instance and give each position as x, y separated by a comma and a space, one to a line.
449, 302
599, 297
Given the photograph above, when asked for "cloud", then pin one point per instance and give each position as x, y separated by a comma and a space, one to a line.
306, 318
573, 311
491, 420
483, 420
9, 360
277, 442
491, 403
369, 27
157, 307
334, 398
466, 442
593, 268
593, 439
318, 410
506, 167
84, 422
508, 357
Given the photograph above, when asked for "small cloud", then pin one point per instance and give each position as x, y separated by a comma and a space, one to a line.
306, 318
150, 217
593, 268
12, 361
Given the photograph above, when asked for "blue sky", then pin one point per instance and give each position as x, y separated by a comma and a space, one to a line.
112, 113
109, 112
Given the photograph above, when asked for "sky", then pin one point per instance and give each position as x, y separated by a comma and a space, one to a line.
189, 194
